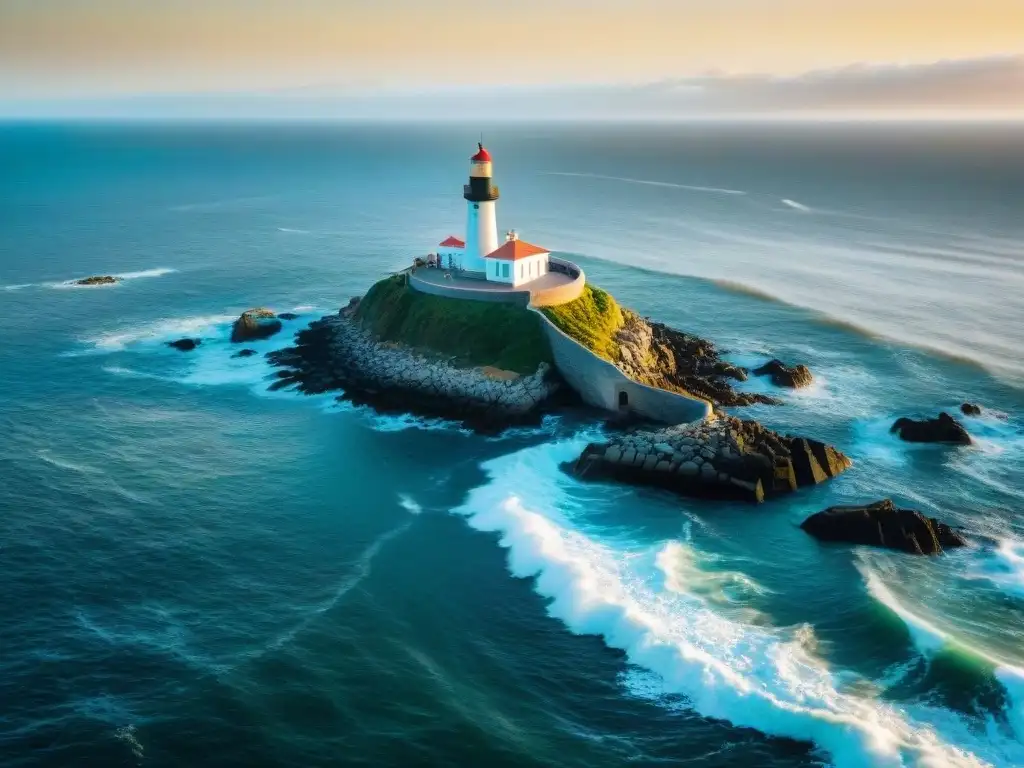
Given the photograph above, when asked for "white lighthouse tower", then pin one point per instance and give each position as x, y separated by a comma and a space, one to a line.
481, 220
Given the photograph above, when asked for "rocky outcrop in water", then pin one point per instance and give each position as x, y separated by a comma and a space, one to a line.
882, 524
970, 409
185, 345
99, 280
244, 353
783, 375
255, 324
723, 457
660, 356
335, 353
287, 316
944, 429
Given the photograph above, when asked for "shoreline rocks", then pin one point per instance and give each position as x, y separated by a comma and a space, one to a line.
943, 429
185, 345
970, 409
782, 375
655, 354
882, 524
724, 457
255, 324
287, 316
244, 353
335, 353
98, 280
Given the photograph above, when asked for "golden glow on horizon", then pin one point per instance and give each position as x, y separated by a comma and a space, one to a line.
97, 47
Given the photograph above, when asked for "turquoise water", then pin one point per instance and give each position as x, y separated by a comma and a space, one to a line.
196, 570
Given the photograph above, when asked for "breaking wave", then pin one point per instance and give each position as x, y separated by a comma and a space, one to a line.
750, 676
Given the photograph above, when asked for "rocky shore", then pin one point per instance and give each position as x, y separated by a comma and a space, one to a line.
336, 353
655, 354
724, 457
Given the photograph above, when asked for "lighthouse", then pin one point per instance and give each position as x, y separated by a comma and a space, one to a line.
481, 220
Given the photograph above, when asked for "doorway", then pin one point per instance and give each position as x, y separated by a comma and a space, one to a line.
623, 399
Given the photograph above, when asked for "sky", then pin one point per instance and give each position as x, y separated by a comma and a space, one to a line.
556, 58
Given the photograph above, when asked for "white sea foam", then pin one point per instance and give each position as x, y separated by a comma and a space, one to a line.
1002, 567
18, 287
150, 334
651, 183
289, 230
796, 206
158, 272
409, 504
748, 675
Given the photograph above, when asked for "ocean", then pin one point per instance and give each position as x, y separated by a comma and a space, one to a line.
197, 571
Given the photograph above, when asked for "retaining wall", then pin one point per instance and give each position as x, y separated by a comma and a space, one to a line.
461, 291
539, 293
601, 383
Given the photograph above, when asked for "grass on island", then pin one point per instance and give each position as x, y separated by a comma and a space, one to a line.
474, 333
592, 320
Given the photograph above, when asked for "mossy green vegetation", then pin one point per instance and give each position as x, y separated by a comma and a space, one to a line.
471, 332
592, 320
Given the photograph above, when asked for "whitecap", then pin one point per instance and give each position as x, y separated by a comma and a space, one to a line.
1002, 567
409, 504
18, 286
160, 331
796, 206
750, 676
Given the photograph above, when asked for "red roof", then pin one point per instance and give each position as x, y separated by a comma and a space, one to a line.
452, 242
482, 155
514, 250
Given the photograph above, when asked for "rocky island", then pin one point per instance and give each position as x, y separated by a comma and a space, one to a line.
98, 280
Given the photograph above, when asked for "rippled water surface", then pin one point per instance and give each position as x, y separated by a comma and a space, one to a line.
198, 571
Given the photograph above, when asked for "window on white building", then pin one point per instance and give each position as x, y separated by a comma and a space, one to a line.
504, 270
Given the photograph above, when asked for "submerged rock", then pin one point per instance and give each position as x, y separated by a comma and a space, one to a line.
944, 429
723, 457
287, 316
783, 375
98, 280
882, 524
185, 345
255, 324
970, 409
244, 353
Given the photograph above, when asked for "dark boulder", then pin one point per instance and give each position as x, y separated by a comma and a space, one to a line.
783, 375
255, 324
98, 280
970, 409
244, 353
882, 524
185, 345
287, 316
944, 429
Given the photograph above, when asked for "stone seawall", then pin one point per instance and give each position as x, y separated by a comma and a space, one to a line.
335, 353
603, 385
